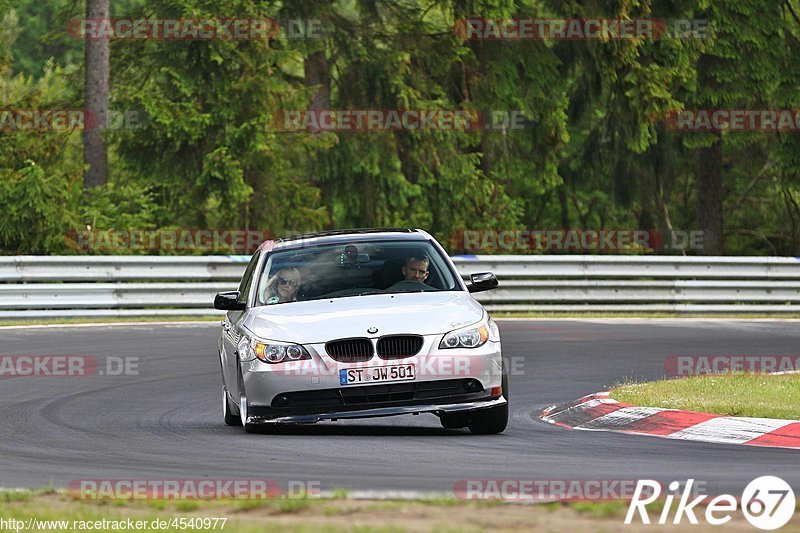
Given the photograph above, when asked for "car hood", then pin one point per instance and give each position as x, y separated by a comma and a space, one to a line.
317, 321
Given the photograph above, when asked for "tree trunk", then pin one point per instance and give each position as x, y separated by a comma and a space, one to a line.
563, 201
710, 197
318, 73
95, 151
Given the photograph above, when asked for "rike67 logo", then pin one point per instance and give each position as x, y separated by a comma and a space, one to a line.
767, 502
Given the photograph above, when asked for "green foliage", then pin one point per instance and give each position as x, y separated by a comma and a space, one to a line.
120, 206
42, 35
34, 218
208, 150
39, 170
596, 152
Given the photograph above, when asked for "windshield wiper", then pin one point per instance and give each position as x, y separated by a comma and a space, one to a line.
316, 298
332, 297
406, 290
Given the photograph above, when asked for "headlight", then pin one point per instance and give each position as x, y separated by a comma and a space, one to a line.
494, 331
466, 338
243, 349
272, 352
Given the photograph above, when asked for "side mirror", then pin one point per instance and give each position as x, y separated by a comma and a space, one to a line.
482, 281
228, 301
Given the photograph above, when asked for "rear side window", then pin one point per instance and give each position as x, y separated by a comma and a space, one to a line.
244, 286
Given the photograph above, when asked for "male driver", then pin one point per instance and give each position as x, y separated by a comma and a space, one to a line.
416, 268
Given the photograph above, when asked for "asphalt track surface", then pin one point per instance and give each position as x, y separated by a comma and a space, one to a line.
165, 422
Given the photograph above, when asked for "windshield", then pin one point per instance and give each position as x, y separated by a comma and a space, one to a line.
357, 269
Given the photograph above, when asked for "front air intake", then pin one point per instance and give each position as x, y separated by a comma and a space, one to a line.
399, 346
350, 350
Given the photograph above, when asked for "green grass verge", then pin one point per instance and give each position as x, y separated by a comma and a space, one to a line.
757, 395
336, 514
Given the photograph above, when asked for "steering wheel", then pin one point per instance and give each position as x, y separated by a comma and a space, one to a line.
409, 285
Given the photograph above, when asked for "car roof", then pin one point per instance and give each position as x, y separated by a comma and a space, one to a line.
346, 236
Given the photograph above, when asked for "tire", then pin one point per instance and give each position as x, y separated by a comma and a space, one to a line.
453, 421
493, 420
250, 428
231, 418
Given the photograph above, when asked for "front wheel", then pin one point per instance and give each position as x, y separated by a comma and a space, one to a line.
248, 427
231, 418
243, 405
493, 420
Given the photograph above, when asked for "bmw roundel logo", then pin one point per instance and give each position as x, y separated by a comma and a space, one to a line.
373, 329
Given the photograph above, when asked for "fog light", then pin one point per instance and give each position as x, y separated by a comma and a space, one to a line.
472, 386
281, 401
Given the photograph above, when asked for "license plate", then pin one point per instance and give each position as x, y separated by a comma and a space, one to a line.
376, 374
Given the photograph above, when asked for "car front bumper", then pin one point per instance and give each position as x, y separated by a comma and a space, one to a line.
264, 383
373, 411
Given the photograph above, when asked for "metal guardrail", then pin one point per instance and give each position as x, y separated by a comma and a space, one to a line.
64, 286
69, 268
632, 266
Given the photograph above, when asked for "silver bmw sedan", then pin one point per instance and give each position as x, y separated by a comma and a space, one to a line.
358, 324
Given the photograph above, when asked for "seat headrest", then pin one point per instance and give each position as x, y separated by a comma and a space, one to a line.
390, 273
